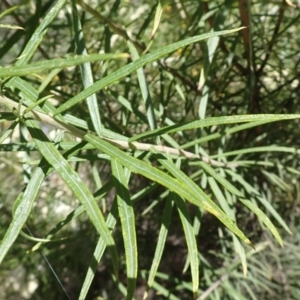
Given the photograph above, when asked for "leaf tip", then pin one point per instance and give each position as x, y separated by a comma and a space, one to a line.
248, 242
290, 3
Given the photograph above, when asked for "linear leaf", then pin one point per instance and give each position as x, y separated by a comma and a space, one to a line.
136, 166
265, 118
227, 131
72, 215
111, 221
128, 69
190, 241
39, 33
157, 17
30, 95
252, 206
262, 149
276, 180
144, 88
86, 71
127, 217
72, 179
263, 200
23, 207
161, 290
230, 212
177, 173
239, 249
38, 67
160, 245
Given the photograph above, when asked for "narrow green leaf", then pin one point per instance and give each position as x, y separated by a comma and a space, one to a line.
263, 149
7, 116
160, 245
157, 17
23, 207
30, 95
72, 215
190, 241
128, 69
177, 173
86, 72
11, 26
221, 198
265, 118
38, 67
232, 292
127, 217
239, 249
9, 10
198, 198
274, 213
39, 33
9, 131
72, 179
276, 180
111, 221
161, 290
144, 88
227, 131
203, 102
252, 206
267, 204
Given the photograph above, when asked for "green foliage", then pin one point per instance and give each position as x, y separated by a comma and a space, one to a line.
151, 122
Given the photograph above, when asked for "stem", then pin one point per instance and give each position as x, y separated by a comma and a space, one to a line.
49, 120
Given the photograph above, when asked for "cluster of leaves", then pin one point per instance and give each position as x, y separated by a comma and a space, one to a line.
149, 133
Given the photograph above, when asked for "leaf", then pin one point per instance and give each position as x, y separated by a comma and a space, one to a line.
72, 179
127, 217
290, 3
252, 206
98, 252
38, 67
263, 149
72, 215
194, 195
86, 71
39, 33
11, 26
267, 204
23, 207
161, 241
144, 88
190, 241
158, 14
263, 118
128, 69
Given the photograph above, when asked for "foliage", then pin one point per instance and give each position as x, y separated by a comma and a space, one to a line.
135, 128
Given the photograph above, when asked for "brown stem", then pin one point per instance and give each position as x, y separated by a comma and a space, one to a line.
222, 45
274, 37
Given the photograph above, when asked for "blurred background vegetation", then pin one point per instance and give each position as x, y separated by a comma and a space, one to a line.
253, 71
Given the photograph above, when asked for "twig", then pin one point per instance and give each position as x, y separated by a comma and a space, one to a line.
274, 37
212, 287
49, 120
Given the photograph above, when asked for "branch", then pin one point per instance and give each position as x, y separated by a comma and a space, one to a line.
49, 120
